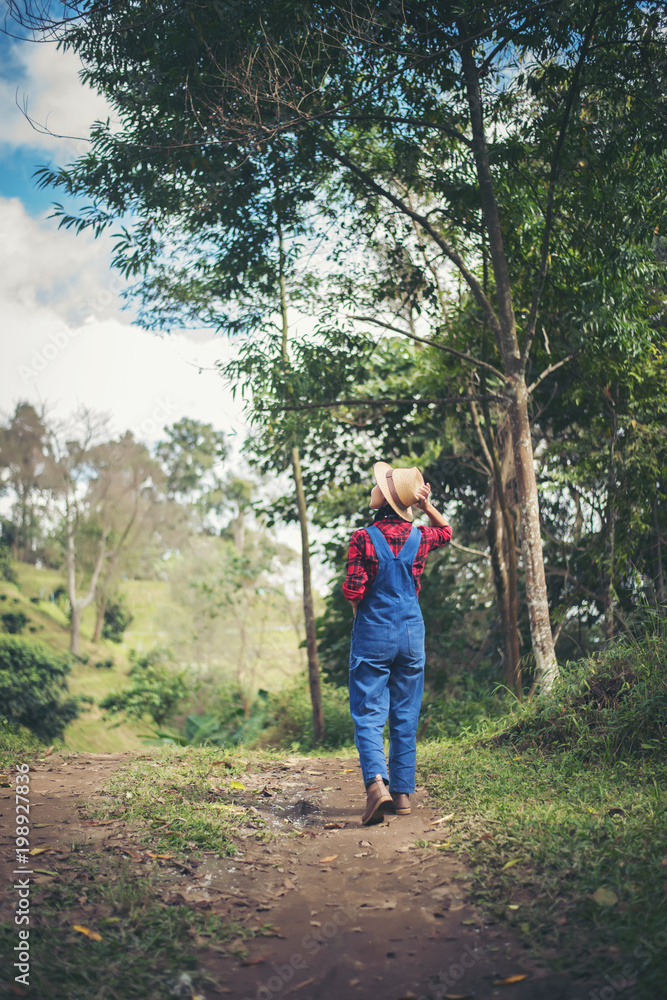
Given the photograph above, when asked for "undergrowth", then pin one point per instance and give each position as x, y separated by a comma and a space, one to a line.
561, 812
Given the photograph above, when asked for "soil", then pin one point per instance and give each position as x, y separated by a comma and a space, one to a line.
356, 912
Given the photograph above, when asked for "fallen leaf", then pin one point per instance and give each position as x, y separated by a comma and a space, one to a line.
334, 826
330, 857
469, 923
605, 897
237, 784
525, 927
443, 819
364, 854
510, 979
38, 850
487, 836
457, 996
306, 982
312, 788
255, 961
45, 871
365, 843
511, 864
164, 857
93, 935
512, 906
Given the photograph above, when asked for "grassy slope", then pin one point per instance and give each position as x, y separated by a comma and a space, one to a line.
152, 607
561, 811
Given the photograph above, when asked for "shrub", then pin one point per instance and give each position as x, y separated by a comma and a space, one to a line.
14, 622
156, 692
290, 717
33, 679
105, 664
611, 706
117, 618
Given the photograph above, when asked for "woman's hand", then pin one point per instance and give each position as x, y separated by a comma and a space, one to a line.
422, 500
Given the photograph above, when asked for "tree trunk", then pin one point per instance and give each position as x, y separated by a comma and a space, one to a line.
506, 597
75, 628
657, 550
546, 667
99, 619
308, 608
609, 528
314, 681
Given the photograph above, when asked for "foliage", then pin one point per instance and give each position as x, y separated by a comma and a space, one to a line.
156, 691
289, 722
33, 680
14, 622
117, 618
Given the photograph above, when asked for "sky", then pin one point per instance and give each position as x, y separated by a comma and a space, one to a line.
67, 341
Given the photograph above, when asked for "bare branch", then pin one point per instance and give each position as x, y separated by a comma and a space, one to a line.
550, 369
382, 402
431, 343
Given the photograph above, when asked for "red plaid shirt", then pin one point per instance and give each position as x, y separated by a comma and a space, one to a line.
362, 560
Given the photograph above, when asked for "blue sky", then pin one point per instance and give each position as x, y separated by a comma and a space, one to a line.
66, 340
57, 288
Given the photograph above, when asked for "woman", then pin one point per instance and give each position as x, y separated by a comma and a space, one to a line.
384, 565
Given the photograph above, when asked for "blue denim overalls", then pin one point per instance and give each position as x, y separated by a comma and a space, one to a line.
387, 666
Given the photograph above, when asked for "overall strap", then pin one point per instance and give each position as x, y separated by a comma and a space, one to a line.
411, 546
408, 551
380, 543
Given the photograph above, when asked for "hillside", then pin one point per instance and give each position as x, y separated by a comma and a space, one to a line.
157, 621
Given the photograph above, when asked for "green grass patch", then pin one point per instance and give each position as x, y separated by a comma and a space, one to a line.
562, 815
18, 746
146, 949
188, 798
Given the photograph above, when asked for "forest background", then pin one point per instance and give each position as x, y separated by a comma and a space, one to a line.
434, 237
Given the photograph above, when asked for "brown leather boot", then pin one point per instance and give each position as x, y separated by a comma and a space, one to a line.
400, 804
377, 799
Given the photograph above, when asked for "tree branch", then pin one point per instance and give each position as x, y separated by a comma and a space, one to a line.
382, 402
432, 343
449, 252
550, 369
553, 177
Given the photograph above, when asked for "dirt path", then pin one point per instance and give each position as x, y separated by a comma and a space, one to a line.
358, 912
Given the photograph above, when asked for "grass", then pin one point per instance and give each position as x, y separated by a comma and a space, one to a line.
176, 800
561, 813
188, 798
141, 947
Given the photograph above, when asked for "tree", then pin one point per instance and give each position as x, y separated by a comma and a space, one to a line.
193, 456
22, 461
431, 114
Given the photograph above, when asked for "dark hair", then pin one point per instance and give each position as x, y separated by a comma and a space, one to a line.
386, 510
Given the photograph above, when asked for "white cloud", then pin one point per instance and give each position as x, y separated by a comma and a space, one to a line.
65, 341
46, 81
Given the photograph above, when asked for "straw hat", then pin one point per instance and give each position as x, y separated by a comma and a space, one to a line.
399, 487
